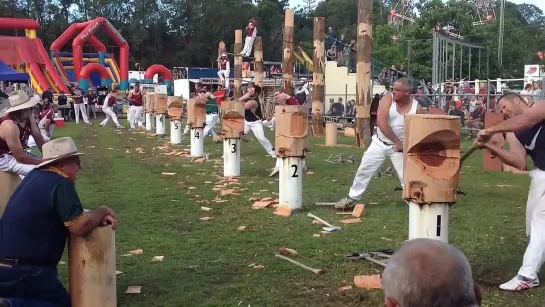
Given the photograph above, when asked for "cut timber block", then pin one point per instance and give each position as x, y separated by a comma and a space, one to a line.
331, 134
149, 103
350, 132
196, 113
92, 268
232, 119
490, 161
291, 130
432, 158
175, 107
161, 103
358, 210
9, 182
282, 211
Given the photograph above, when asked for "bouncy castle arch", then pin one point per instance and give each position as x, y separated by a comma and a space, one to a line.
163, 72
87, 33
86, 71
72, 31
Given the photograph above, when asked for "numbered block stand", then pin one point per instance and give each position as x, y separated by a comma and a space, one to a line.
291, 147
175, 112
92, 269
149, 122
161, 103
149, 107
196, 119
431, 173
232, 129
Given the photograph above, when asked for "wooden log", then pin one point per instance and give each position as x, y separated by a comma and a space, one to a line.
432, 158
175, 105
92, 269
350, 132
490, 161
161, 103
9, 182
363, 72
331, 134
288, 57
150, 103
196, 112
258, 68
233, 119
318, 79
291, 131
238, 64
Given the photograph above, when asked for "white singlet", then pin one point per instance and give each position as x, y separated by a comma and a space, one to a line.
396, 122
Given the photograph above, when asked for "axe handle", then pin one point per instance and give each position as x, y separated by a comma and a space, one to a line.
467, 154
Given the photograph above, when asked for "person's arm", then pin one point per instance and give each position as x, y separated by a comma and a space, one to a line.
382, 120
11, 135
68, 205
250, 105
36, 134
527, 119
515, 156
245, 96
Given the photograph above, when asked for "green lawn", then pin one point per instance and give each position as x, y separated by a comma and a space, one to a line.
207, 262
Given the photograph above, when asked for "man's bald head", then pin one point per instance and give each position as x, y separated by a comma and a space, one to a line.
429, 273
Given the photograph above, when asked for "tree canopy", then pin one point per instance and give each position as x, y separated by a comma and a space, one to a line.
187, 32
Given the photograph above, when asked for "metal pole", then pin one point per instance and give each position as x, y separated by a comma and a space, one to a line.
501, 32
453, 59
461, 61
469, 66
480, 76
434, 60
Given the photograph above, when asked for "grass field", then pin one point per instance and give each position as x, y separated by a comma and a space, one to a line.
207, 262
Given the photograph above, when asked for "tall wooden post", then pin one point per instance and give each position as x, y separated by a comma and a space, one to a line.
238, 63
288, 59
258, 64
363, 72
318, 78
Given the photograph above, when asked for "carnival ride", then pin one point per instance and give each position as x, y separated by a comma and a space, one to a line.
28, 54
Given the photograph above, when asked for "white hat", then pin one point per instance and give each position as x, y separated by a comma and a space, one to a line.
58, 149
19, 100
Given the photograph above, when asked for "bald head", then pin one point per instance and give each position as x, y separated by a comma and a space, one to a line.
429, 273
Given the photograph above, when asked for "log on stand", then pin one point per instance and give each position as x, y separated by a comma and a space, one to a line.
318, 91
363, 72
288, 56
238, 64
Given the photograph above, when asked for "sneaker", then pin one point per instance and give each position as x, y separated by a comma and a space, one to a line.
274, 172
519, 283
345, 203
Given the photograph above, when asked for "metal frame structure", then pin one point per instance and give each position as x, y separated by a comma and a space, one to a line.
484, 11
444, 58
400, 15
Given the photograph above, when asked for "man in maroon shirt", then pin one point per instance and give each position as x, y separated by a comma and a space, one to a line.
17, 123
251, 31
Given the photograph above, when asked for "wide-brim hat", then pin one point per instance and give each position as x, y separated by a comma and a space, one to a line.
59, 149
20, 100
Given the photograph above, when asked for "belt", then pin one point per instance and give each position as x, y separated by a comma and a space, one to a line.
384, 142
216, 113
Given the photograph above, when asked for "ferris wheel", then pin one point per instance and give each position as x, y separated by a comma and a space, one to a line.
484, 11
399, 16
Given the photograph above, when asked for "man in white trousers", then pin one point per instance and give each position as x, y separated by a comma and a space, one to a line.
224, 70
79, 105
17, 123
107, 108
212, 111
253, 120
135, 97
387, 143
526, 136
251, 32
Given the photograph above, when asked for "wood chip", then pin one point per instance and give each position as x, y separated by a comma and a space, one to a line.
168, 174
137, 252
316, 235
521, 172
158, 258
286, 251
358, 210
118, 273
205, 218
368, 281
192, 188
253, 199
351, 221
310, 173
229, 192
262, 204
256, 266
205, 208
241, 228
199, 160
282, 211
134, 290
344, 288
267, 199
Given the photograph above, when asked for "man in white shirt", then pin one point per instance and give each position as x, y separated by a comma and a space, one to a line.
107, 108
388, 142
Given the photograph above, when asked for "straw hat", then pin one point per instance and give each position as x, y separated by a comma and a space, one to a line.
59, 149
19, 100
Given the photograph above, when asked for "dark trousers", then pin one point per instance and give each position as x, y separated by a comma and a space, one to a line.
32, 286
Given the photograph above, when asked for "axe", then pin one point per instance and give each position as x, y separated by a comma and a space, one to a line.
467, 154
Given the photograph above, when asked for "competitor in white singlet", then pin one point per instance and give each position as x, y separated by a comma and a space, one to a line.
388, 142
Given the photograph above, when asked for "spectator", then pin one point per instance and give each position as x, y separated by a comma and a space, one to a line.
63, 102
383, 76
393, 74
331, 38
301, 93
538, 92
341, 42
456, 111
527, 94
429, 273
47, 96
351, 108
476, 118
402, 71
335, 108
331, 53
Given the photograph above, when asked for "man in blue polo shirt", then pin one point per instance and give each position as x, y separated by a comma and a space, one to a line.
39, 216
525, 137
